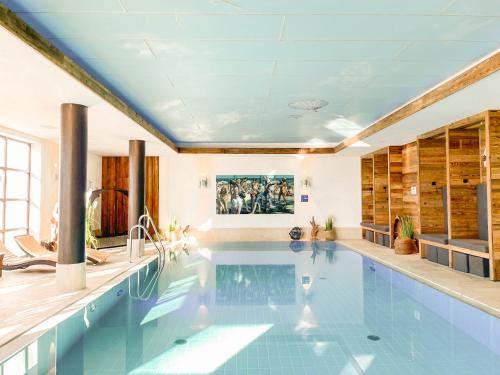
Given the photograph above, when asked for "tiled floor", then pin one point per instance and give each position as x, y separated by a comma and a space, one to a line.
29, 297
477, 291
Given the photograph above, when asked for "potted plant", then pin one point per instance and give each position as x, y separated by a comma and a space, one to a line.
90, 237
329, 231
173, 230
405, 244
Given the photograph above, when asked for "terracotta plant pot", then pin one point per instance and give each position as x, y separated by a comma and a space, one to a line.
405, 246
329, 235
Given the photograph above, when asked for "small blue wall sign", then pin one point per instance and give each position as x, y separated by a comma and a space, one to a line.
304, 198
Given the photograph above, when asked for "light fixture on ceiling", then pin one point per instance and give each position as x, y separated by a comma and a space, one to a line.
308, 104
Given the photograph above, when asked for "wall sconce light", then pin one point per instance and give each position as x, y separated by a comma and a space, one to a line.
306, 183
204, 181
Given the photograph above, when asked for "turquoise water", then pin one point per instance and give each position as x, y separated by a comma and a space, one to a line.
264, 308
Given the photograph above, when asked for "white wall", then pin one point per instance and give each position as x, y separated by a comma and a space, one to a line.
49, 152
335, 189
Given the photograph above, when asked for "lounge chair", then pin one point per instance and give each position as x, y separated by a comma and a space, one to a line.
31, 247
11, 262
96, 256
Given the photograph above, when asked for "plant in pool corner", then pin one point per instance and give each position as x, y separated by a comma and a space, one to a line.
406, 227
329, 223
405, 244
173, 230
329, 231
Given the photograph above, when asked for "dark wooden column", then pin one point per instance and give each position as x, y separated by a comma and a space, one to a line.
136, 162
72, 189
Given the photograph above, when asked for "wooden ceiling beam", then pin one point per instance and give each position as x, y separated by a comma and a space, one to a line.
10, 21
482, 69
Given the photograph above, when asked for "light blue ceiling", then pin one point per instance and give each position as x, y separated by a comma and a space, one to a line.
225, 70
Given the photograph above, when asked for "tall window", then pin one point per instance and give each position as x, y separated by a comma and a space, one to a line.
15, 173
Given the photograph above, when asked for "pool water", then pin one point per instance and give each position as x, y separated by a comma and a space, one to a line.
270, 308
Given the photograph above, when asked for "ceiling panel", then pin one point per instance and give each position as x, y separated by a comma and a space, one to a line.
223, 87
287, 6
277, 49
102, 48
389, 27
226, 70
161, 26
65, 5
449, 50
474, 7
386, 68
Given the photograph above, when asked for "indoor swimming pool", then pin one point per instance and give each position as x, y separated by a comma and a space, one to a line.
268, 308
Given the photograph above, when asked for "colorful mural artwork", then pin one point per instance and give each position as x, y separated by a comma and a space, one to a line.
255, 194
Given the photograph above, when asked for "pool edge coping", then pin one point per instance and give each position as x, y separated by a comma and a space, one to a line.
23, 339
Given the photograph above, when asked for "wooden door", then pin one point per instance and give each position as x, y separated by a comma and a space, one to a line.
114, 206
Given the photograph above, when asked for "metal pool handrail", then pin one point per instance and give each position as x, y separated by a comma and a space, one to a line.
146, 293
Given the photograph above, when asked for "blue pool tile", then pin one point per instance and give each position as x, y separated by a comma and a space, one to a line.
247, 310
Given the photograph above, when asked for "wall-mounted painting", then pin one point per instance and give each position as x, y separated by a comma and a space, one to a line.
255, 194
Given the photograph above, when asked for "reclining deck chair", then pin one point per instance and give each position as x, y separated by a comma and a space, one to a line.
31, 247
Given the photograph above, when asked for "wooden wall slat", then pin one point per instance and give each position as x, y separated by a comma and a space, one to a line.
380, 188
432, 169
153, 188
108, 200
121, 200
410, 179
367, 190
395, 165
492, 145
464, 173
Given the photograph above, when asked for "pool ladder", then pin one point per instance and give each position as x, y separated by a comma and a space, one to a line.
144, 223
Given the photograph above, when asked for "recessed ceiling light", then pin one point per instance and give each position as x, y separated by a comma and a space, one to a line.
308, 104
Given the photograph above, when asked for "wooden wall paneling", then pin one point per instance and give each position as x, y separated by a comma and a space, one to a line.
380, 188
464, 173
108, 201
431, 180
395, 186
367, 190
482, 150
114, 211
410, 179
121, 200
153, 188
492, 142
